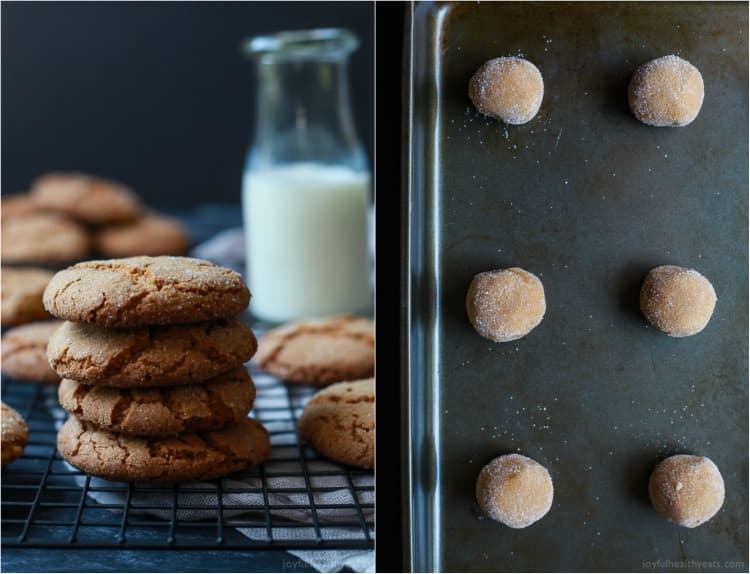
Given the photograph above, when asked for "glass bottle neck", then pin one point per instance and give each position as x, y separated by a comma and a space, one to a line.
304, 114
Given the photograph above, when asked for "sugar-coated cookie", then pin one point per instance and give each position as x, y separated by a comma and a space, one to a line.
140, 291
17, 205
180, 458
14, 434
21, 292
86, 197
24, 352
45, 238
666, 92
320, 351
205, 406
150, 235
688, 490
149, 356
677, 300
505, 304
515, 490
507, 88
339, 422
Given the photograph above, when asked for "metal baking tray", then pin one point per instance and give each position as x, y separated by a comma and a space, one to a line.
589, 199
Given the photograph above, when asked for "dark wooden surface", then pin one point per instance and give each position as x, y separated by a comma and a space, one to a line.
54, 560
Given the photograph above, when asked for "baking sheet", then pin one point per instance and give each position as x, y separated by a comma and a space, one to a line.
588, 199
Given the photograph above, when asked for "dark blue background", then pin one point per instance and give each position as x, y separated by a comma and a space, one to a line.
154, 94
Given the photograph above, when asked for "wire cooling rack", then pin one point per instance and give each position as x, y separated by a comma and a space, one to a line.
296, 500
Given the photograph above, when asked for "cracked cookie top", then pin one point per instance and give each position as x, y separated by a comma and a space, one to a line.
149, 356
339, 422
179, 458
161, 411
320, 351
140, 291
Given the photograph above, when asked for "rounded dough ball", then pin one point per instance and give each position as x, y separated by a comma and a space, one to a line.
666, 92
515, 490
509, 89
688, 490
677, 300
506, 304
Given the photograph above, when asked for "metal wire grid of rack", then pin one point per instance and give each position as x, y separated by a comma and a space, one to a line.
296, 500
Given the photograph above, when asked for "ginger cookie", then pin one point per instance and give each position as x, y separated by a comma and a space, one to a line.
21, 290
320, 351
17, 205
506, 304
515, 490
150, 235
666, 92
86, 197
43, 238
508, 89
14, 434
149, 356
339, 423
24, 352
688, 490
677, 300
210, 405
140, 291
180, 458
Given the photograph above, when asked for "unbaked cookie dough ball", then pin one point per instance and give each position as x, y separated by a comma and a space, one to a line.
515, 490
688, 490
506, 304
666, 92
509, 89
677, 300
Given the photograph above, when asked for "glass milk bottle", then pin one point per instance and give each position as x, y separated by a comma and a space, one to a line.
306, 184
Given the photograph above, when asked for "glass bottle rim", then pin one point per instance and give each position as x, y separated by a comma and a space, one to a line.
299, 44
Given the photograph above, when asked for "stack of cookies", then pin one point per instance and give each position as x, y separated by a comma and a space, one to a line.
151, 358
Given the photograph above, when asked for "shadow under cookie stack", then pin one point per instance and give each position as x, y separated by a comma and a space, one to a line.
151, 357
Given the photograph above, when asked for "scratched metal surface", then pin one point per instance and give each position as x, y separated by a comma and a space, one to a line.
589, 200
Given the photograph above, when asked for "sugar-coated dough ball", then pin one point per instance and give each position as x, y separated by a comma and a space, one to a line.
509, 89
506, 304
515, 490
688, 490
677, 300
667, 91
